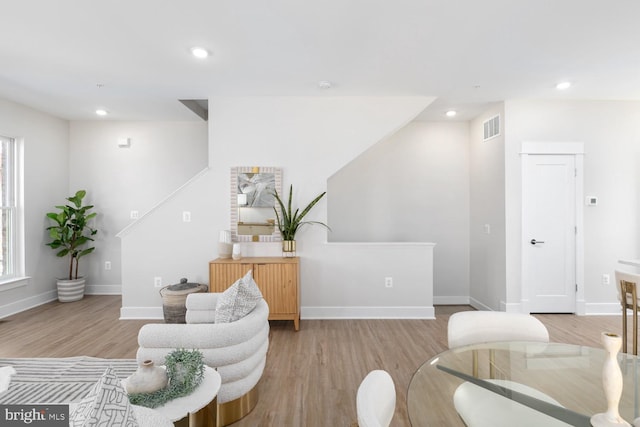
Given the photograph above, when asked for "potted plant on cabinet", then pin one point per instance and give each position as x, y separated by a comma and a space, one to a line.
290, 221
70, 235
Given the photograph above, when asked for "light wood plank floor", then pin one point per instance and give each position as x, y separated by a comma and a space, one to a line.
311, 376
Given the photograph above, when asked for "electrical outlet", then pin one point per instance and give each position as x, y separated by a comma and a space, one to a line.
134, 215
186, 216
388, 282
107, 265
606, 279
157, 282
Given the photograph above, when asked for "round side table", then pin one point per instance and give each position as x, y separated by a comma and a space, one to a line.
198, 409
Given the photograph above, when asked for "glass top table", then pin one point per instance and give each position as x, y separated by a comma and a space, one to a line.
570, 375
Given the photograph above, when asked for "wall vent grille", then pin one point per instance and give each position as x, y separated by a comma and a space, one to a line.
492, 128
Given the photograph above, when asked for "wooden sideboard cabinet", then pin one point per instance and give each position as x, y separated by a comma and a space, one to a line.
278, 279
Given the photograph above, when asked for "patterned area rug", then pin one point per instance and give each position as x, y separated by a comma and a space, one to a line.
64, 380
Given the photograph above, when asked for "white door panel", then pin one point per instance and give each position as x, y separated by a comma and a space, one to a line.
549, 233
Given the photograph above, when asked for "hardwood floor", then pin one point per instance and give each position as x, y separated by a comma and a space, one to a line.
311, 376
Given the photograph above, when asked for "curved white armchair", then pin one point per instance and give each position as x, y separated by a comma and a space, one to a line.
376, 400
238, 350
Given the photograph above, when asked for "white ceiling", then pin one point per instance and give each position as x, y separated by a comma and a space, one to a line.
54, 54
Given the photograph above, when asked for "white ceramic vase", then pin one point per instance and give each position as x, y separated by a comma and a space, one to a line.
236, 253
611, 382
224, 250
225, 245
146, 379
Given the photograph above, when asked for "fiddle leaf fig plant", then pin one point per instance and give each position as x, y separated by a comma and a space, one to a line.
290, 221
71, 231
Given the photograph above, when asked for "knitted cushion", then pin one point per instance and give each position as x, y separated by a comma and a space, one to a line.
107, 404
238, 300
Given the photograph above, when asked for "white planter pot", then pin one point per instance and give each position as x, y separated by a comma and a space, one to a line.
70, 290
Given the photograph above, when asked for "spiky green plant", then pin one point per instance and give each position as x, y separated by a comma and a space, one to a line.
290, 221
71, 231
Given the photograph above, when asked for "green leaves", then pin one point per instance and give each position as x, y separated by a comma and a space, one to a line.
290, 222
71, 230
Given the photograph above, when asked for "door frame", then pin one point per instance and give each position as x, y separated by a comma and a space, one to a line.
575, 149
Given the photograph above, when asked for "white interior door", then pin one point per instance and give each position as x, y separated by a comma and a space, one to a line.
549, 233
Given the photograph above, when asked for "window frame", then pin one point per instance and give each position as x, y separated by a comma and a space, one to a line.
13, 203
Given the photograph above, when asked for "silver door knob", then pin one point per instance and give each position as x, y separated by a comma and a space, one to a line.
534, 241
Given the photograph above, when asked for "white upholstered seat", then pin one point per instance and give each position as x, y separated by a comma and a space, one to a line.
376, 400
479, 407
475, 327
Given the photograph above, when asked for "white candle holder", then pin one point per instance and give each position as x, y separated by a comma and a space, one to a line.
612, 383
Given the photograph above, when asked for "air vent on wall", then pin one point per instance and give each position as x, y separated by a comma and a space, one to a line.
492, 127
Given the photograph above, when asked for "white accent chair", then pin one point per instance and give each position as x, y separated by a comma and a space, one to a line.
475, 327
627, 285
237, 350
479, 407
376, 400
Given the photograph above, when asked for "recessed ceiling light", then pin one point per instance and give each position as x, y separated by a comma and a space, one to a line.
101, 112
199, 52
324, 84
563, 85
451, 113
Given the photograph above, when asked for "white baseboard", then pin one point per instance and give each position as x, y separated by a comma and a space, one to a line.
129, 313
103, 290
27, 303
511, 307
451, 300
312, 313
422, 312
603, 309
582, 308
478, 305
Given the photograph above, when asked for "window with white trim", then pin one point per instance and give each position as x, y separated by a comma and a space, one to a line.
9, 221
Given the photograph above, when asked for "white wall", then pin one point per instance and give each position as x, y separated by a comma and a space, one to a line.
347, 280
610, 132
487, 207
46, 181
310, 138
162, 156
413, 186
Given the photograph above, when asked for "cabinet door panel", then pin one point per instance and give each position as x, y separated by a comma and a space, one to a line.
224, 275
278, 284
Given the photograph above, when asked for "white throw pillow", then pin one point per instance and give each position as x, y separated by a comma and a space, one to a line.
107, 404
238, 300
